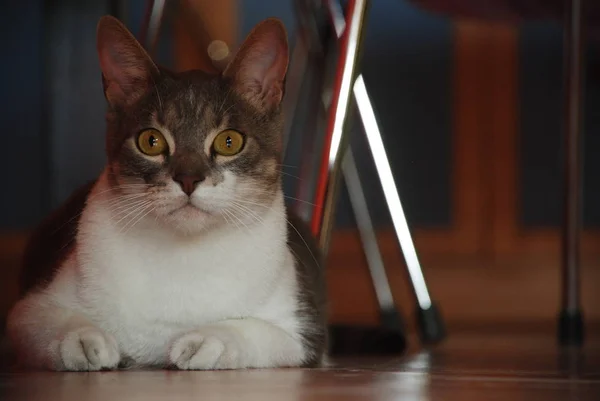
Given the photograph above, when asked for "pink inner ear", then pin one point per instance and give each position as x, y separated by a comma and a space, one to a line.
127, 69
263, 65
128, 76
262, 73
260, 66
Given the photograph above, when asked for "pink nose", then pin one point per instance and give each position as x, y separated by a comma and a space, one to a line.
188, 182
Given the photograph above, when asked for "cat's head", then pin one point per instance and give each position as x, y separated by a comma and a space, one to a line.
188, 149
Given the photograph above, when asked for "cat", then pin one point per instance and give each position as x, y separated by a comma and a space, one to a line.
182, 253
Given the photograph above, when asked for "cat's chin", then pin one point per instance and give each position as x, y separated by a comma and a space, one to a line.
190, 211
189, 220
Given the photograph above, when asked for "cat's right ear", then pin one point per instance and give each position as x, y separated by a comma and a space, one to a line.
259, 67
128, 72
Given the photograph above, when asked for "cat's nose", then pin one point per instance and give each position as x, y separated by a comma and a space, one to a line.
188, 182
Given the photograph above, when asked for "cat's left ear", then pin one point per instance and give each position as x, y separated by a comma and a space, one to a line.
259, 67
128, 72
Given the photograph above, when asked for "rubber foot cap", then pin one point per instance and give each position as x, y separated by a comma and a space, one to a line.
431, 325
570, 328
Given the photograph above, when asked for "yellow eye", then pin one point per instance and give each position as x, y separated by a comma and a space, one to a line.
151, 142
228, 143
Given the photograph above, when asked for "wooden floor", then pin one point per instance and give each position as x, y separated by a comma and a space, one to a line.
479, 366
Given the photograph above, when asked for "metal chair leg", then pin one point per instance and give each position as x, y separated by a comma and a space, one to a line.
329, 169
428, 315
429, 319
571, 325
152, 23
387, 307
389, 314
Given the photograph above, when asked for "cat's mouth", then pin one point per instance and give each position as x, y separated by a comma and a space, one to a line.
190, 210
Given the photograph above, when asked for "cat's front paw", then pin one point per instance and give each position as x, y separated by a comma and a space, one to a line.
88, 349
206, 350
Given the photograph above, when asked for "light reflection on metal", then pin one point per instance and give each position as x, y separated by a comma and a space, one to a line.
152, 27
391, 193
367, 233
385, 176
327, 186
360, 208
337, 16
353, 38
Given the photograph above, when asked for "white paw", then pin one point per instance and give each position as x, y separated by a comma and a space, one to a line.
88, 349
207, 349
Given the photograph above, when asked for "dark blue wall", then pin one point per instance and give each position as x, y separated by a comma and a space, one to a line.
24, 149
541, 110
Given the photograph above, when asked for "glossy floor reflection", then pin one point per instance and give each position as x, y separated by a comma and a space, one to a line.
484, 366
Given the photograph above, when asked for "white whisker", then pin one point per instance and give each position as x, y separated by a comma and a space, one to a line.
305, 243
136, 208
289, 222
248, 211
119, 188
291, 175
148, 209
126, 206
232, 216
263, 191
124, 199
77, 215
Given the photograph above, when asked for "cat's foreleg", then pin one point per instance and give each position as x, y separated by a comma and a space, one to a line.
48, 335
237, 344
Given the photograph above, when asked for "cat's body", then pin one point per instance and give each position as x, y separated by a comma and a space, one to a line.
204, 270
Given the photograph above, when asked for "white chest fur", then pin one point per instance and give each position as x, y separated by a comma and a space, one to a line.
149, 285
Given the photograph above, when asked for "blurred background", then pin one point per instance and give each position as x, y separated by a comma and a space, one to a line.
470, 111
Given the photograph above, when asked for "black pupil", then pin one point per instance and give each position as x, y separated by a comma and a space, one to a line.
228, 142
152, 141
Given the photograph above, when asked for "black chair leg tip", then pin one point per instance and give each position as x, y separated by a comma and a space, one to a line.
570, 328
392, 319
348, 340
431, 325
